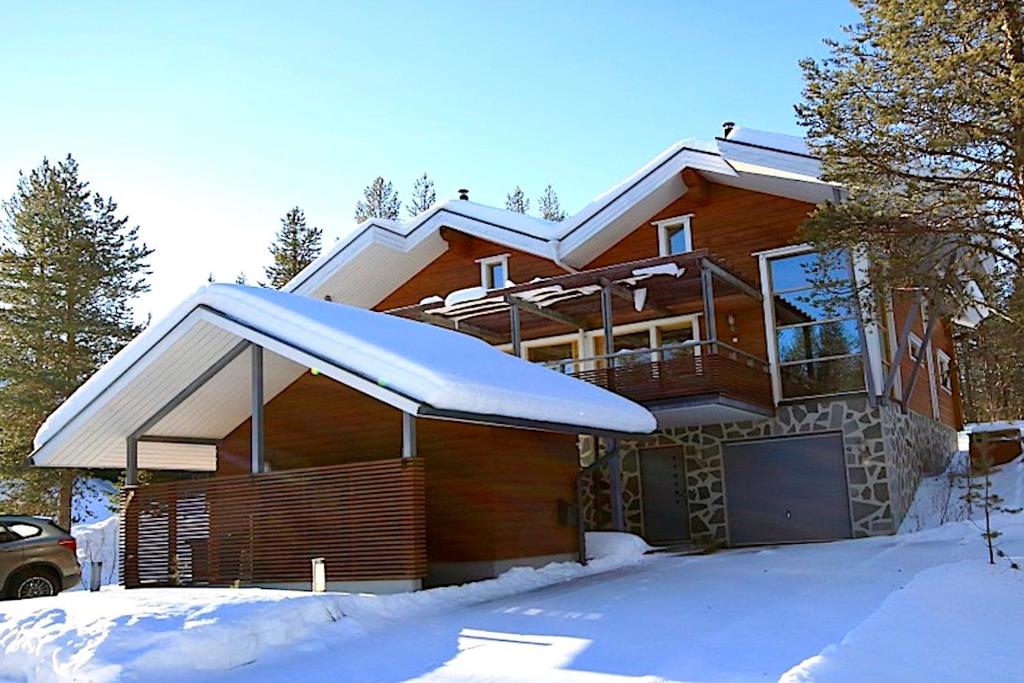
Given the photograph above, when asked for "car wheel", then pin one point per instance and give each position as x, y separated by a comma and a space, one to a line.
34, 583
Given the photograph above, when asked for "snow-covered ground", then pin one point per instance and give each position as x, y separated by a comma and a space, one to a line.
922, 606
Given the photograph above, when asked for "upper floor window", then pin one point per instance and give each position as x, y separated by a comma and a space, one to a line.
915, 346
817, 333
494, 272
943, 368
674, 235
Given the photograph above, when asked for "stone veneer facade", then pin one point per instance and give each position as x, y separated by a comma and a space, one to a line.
886, 454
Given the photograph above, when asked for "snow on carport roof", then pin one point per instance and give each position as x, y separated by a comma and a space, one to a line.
415, 366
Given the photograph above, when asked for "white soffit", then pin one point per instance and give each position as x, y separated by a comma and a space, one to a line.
188, 457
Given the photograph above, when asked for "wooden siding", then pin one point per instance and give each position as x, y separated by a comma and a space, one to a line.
731, 223
365, 519
492, 492
920, 400
315, 422
457, 269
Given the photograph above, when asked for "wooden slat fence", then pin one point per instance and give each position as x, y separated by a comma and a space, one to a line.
366, 519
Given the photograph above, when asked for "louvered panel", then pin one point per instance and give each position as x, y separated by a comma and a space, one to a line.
365, 519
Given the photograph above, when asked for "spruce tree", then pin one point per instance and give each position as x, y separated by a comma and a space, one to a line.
516, 201
423, 195
919, 114
379, 201
69, 271
295, 247
549, 206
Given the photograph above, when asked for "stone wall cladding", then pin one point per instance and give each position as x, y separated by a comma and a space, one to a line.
886, 454
915, 446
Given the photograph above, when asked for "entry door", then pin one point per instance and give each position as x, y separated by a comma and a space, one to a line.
663, 482
787, 490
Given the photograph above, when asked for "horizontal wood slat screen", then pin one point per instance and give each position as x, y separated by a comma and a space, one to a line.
366, 519
683, 376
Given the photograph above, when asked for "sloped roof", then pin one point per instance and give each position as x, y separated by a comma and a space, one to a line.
419, 368
379, 255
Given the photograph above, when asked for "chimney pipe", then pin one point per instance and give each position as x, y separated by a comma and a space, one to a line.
727, 128
463, 193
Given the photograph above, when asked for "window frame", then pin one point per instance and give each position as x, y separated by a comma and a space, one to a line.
485, 271
766, 259
664, 238
913, 341
944, 366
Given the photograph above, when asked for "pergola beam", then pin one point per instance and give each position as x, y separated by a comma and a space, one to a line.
468, 328
533, 308
515, 331
708, 292
728, 278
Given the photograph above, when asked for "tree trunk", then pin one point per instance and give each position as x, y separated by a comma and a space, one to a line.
67, 489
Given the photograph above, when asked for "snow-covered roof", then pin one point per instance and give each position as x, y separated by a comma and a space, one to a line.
997, 426
416, 367
378, 256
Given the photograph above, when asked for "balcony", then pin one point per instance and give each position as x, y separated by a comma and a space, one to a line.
698, 381
675, 381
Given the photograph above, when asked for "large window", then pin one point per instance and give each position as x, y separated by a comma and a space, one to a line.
817, 333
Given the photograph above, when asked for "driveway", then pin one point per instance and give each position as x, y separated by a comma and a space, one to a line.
738, 615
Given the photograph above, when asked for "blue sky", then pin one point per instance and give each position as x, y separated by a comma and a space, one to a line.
207, 121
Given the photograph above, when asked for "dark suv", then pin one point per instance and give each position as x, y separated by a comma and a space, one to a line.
37, 558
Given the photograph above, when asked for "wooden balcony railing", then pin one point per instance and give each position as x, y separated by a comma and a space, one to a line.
677, 371
367, 520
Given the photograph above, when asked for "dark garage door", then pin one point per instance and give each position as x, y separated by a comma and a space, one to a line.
786, 490
663, 480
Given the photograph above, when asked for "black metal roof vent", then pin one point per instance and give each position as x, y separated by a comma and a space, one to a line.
727, 128
463, 193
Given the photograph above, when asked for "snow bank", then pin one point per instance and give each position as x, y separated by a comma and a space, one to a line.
160, 634
98, 543
613, 547
945, 625
939, 499
154, 634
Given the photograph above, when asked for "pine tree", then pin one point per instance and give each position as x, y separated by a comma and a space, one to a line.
549, 206
69, 270
379, 201
295, 246
919, 113
516, 201
423, 195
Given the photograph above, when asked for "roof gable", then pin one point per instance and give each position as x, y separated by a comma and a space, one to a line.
381, 255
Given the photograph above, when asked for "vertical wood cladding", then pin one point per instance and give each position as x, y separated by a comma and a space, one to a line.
492, 492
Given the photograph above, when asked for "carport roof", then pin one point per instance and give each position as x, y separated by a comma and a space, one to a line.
421, 369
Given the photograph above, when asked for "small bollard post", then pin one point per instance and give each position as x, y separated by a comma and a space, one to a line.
319, 575
95, 576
